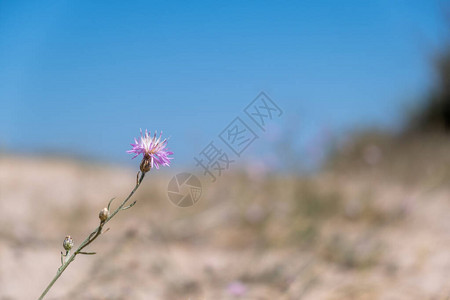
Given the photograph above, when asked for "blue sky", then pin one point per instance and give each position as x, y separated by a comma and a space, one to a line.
81, 77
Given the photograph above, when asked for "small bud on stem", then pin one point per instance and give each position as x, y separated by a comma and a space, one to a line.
68, 243
103, 215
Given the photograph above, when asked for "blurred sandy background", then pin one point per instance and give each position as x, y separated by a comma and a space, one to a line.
376, 227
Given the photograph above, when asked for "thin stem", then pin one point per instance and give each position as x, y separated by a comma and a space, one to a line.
90, 238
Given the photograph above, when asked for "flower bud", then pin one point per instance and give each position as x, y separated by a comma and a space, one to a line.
104, 214
68, 243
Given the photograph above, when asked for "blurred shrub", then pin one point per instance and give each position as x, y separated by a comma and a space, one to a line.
434, 113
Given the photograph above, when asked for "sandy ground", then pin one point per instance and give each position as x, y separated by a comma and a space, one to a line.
334, 235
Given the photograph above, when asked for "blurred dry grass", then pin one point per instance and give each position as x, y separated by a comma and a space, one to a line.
372, 225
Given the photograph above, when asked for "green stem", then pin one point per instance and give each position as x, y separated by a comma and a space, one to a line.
89, 239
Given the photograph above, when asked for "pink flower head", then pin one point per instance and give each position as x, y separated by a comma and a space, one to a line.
237, 288
152, 148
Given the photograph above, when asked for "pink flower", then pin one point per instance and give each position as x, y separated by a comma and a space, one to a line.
237, 288
153, 149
